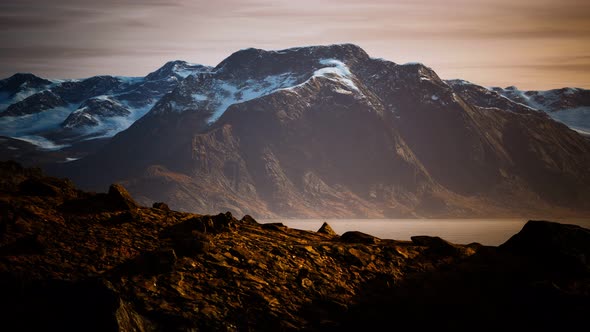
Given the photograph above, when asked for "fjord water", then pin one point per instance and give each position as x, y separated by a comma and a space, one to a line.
491, 232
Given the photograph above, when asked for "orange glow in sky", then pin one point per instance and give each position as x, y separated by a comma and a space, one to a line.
533, 44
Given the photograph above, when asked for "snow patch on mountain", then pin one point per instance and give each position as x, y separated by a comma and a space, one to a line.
575, 118
42, 142
6, 101
130, 80
185, 69
19, 126
336, 70
199, 97
110, 126
219, 95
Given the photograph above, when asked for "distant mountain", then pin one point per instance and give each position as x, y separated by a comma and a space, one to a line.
58, 114
328, 131
568, 105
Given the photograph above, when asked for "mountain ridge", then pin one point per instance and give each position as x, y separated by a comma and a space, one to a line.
328, 131
300, 147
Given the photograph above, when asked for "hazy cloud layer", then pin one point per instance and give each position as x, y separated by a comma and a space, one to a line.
533, 43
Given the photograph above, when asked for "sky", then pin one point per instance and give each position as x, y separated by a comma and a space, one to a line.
532, 44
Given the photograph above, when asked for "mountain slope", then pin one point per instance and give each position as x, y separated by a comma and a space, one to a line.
62, 113
570, 106
328, 131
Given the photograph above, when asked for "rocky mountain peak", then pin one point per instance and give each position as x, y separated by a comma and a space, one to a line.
21, 81
92, 111
177, 68
298, 59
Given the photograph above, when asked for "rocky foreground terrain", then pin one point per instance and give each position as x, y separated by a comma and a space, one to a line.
78, 261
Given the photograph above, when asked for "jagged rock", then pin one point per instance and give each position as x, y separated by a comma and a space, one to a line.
326, 229
358, 237
129, 320
161, 206
120, 198
223, 222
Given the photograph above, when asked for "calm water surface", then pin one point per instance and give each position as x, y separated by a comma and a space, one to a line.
461, 231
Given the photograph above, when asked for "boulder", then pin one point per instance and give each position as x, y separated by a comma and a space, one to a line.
120, 199
565, 245
161, 206
358, 237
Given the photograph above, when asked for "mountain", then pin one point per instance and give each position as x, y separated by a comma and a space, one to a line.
570, 106
58, 114
330, 132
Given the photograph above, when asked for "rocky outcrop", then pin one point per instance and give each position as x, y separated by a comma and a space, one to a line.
326, 229
66, 265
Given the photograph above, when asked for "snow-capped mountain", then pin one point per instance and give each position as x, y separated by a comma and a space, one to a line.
60, 113
570, 106
328, 131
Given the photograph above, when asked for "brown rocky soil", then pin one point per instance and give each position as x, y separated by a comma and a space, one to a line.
78, 261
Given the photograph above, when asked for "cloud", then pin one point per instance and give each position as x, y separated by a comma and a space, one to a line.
44, 52
52, 33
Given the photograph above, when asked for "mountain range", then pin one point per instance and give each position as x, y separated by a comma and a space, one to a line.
308, 132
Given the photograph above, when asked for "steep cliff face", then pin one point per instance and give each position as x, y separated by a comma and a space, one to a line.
328, 131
